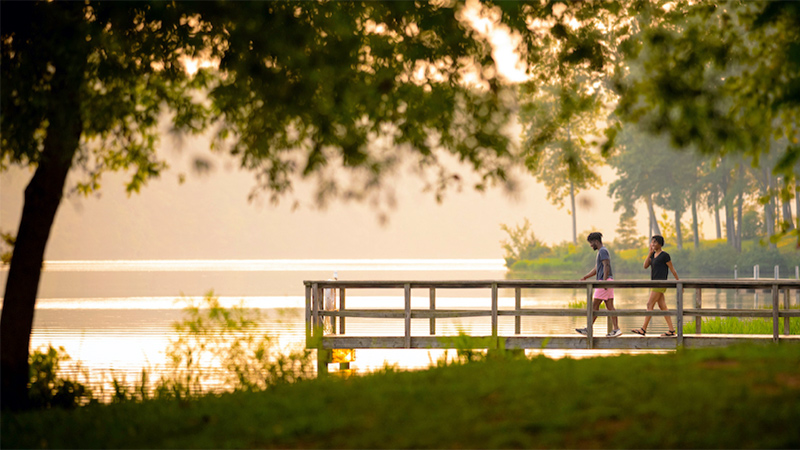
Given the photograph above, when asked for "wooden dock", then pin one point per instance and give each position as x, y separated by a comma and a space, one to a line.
335, 337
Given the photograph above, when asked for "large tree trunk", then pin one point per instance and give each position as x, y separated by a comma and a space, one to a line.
574, 213
651, 211
678, 232
730, 223
740, 206
786, 203
797, 203
42, 197
739, 214
695, 225
769, 210
717, 222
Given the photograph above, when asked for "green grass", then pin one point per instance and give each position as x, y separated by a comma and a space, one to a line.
744, 397
735, 325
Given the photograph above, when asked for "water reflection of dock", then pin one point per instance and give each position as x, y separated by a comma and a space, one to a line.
326, 329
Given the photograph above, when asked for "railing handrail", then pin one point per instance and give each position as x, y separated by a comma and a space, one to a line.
534, 284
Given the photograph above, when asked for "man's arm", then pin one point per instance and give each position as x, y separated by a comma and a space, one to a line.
606, 269
590, 274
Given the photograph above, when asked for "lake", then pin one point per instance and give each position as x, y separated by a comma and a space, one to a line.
116, 317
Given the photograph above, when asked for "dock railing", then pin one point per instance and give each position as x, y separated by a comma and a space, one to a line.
336, 338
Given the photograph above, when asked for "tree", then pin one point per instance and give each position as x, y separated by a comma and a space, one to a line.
637, 174
732, 93
558, 125
566, 100
302, 90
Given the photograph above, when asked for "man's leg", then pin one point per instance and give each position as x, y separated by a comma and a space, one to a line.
596, 306
610, 307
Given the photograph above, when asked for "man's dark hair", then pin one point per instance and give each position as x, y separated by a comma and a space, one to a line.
595, 237
660, 239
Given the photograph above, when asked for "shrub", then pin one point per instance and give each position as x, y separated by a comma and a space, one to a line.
47, 388
764, 256
716, 260
522, 244
228, 338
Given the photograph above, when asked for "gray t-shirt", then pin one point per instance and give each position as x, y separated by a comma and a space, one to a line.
603, 255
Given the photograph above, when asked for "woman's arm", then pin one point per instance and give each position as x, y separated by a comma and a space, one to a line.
648, 260
672, 269
650, 253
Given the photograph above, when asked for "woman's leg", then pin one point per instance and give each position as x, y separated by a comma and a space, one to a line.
651, 302
662, 304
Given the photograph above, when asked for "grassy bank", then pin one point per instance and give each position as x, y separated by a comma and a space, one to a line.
723, 398
735, 325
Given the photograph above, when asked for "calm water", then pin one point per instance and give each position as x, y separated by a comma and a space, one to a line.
116, 317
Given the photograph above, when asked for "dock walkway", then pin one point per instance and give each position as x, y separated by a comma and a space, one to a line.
335, 337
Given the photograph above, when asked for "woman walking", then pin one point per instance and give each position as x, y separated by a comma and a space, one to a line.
659, 263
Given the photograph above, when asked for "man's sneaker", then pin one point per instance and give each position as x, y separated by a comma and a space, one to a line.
582, 331
615, 333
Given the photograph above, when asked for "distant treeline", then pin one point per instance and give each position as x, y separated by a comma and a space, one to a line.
530, 258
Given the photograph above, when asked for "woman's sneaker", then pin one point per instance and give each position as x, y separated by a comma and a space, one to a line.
615, 333
582, 331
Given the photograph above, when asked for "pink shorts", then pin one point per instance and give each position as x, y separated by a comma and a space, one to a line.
604, 294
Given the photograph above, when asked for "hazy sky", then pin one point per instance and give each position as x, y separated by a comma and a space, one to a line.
209, 216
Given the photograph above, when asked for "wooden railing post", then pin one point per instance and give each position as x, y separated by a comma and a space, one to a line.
308, 312
589, 317
775, 320
679, 319
407, 289
341, 308
494, 310
315, 310
517, 308
786, 320
698, 303
323, 355
433, 309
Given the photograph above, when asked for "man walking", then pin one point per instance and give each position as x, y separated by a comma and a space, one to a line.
603, 271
